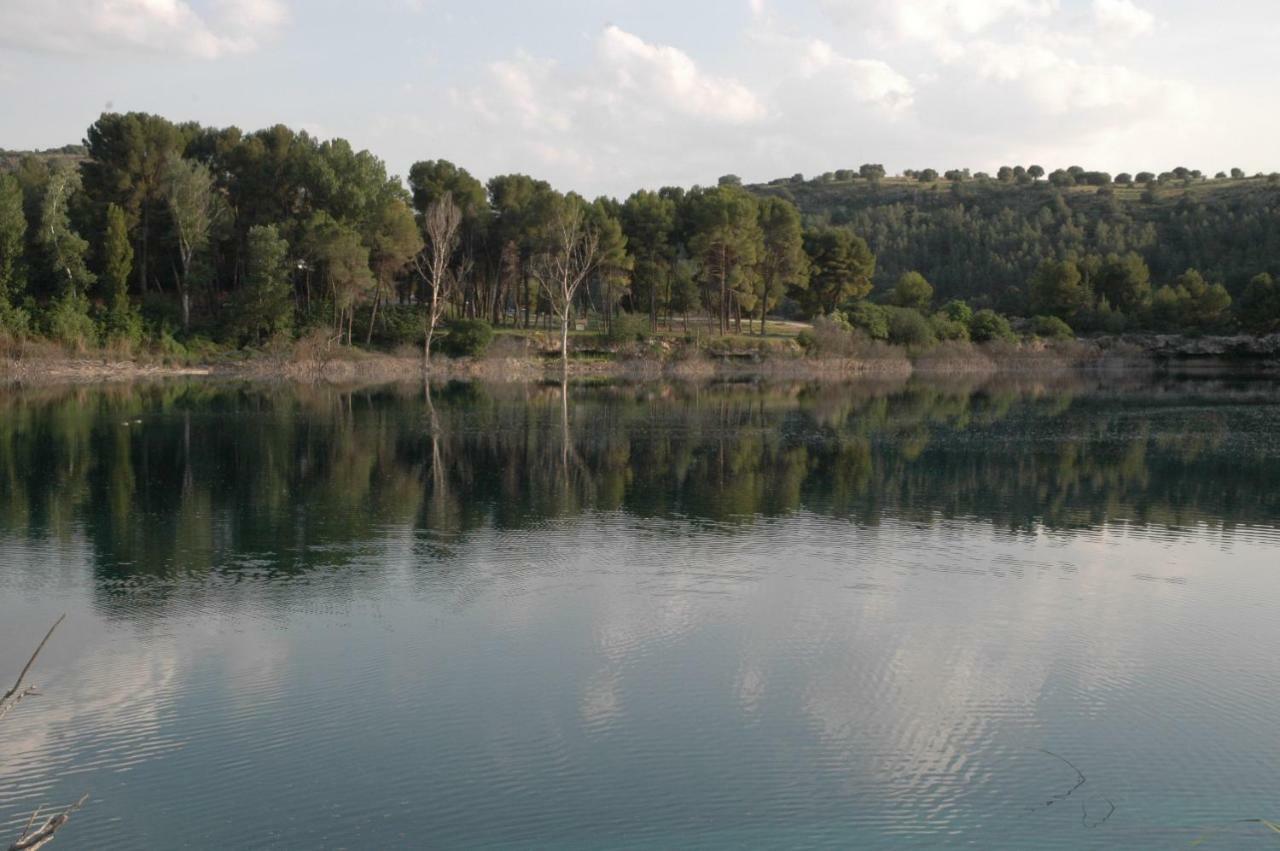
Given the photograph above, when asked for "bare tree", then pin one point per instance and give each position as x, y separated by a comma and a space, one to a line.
442, 226
570, 253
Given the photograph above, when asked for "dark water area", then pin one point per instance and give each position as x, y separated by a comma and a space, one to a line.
1009, 615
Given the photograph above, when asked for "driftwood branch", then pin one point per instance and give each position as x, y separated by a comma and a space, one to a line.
44, 835
12, 697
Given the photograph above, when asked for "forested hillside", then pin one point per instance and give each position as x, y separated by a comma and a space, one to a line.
982, 238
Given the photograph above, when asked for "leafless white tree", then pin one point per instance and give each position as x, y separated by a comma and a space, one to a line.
442, 228
567, 259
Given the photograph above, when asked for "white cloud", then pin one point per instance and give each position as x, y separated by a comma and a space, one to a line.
1122, 17
162, 26
670, 78
862, 80
939, 23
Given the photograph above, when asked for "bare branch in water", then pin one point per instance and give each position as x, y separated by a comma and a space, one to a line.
44, 835
18, 692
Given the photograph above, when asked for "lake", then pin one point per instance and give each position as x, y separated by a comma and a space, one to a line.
925, 614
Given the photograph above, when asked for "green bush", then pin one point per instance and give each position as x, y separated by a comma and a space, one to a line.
958, 310
466, 338
628, 328
870, 319
949, 329
988, 326
909, 327
68, 321
395, 325
830, 337
1051, 328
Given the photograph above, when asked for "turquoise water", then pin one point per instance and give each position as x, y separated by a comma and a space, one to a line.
652, 616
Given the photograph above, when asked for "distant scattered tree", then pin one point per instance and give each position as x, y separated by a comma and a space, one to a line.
871, 171
1144, 177
1036, 172
927, 175
1124, 178
1237, 174
730, 180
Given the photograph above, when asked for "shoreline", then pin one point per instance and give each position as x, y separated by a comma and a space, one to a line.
348, 366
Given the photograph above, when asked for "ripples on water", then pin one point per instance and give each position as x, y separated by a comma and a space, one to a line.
681, 617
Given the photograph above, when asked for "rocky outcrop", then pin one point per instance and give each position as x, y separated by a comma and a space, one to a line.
1238, 347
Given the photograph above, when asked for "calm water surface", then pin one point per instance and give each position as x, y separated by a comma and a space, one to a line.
924, 615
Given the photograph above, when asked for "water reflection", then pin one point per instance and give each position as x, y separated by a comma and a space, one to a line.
187, 477
685, 615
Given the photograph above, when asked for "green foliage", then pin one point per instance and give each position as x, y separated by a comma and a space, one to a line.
264, 306
831, 336
13, 232
67, 321
1202, 306
841, 269
627, 328
987, 326
909, 327
1058, 289
1124, 281
783, 266
958, 311
870, 319
1051, 328
64, 250
912, 290
728, 242
467, 338
1259, 307
948, 329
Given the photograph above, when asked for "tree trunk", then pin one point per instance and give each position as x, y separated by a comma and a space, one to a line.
564, 345
373, 315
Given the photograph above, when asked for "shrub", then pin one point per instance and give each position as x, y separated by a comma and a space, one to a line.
466, 338
628, 328
988, 326
958, 310
396, 325
870, 319
948, 329
908, 327
69, 323
1051, 328
830, 336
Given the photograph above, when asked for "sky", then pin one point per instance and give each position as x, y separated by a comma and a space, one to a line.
609, 96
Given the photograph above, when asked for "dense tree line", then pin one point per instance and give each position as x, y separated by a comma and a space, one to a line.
161, 229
